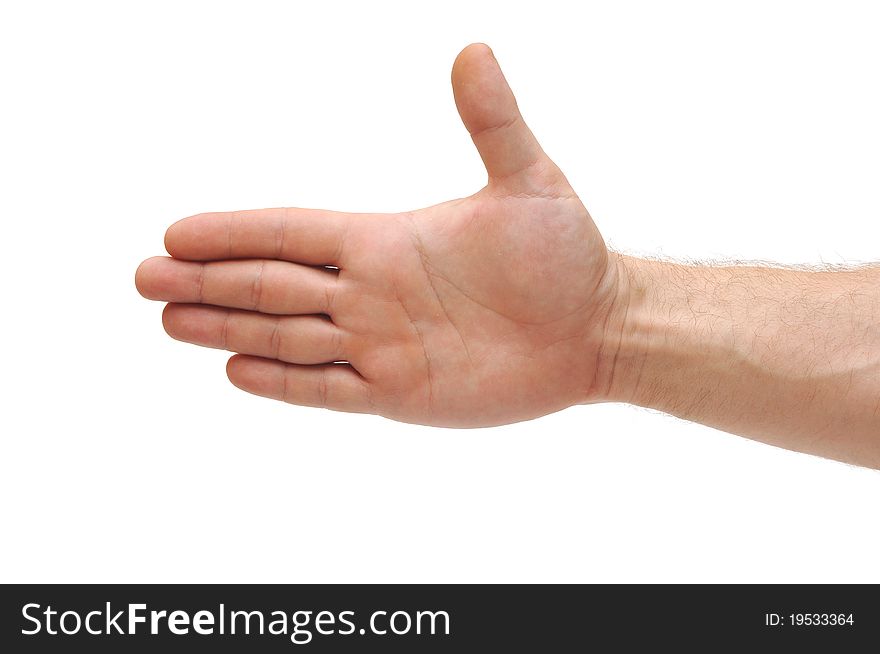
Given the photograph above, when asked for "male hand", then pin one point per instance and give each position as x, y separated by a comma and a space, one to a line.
495, 308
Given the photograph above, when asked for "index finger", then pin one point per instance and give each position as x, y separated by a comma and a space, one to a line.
309, 236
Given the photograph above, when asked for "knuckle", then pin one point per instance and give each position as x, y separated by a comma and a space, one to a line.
322, 388
257, 286
276, 339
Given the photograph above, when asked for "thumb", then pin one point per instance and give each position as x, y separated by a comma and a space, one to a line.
489, 112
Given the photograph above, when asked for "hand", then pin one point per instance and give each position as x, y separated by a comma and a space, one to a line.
479, 311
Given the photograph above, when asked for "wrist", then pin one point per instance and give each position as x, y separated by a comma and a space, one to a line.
662, 329
626, 332
626, 328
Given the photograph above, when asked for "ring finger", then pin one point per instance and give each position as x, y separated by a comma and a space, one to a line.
293, 339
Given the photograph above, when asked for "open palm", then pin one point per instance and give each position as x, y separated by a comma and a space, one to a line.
479, 311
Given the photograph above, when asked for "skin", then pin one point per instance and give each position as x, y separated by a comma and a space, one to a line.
507, 305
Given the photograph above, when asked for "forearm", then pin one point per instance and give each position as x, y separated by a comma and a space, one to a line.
788, 357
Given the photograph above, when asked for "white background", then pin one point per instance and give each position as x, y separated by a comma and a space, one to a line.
695, 130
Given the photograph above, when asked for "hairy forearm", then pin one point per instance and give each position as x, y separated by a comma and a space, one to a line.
788, 357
